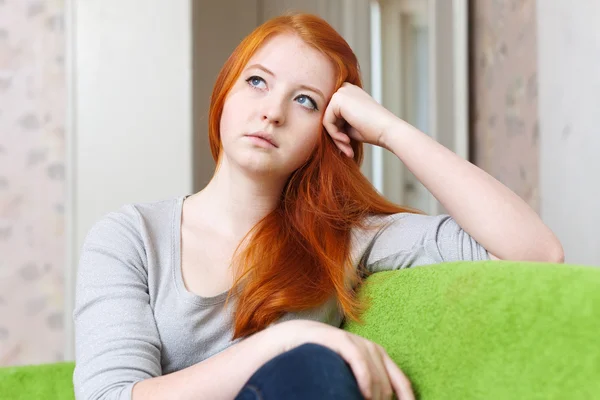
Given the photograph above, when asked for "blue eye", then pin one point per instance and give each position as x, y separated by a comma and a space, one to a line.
307, 101
255, 81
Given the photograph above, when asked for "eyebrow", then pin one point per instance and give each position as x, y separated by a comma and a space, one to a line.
268, 71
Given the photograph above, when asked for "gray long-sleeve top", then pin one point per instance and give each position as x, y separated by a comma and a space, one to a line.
135, 319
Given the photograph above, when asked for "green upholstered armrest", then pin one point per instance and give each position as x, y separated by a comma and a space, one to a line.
37, 382
489, 330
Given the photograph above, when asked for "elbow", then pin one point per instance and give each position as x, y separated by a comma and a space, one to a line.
558, 255
554, 253
111, 392
549, 249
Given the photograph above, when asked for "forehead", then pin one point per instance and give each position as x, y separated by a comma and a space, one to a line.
290, 58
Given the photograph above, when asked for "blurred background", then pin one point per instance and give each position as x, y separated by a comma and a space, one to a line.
104, 102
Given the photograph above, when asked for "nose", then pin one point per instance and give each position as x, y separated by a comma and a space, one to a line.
274, 110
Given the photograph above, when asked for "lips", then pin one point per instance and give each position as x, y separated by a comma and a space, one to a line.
265, 136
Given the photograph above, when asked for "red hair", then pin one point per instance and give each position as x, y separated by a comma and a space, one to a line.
298, 256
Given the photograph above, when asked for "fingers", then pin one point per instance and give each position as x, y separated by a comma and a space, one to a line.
399, 381
331, 117
347, 150
378, 375
380, 380
342, 141
341, 137
367, 364
360, 368
333, 123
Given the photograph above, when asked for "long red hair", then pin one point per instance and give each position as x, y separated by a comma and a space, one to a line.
298, 256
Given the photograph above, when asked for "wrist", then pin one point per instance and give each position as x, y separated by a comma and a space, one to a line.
394, 133
390, 128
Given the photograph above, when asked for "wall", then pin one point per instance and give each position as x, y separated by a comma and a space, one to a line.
125, 136
132, 105
535, 95
218, 27
504, 94
569, 88
132, 112
32, 181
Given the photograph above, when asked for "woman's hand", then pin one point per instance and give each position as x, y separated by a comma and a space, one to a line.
353, 113
377, 375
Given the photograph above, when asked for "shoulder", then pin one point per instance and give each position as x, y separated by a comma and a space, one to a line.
411, 225
406, 228
129, 223
116, 248
408, 239
367, 235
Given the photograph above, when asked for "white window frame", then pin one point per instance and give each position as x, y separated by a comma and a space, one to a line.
447, 25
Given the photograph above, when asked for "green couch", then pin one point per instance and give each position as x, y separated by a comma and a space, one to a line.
478, 330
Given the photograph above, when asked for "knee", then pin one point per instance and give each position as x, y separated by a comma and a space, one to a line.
313, 362
309, 371
311, 353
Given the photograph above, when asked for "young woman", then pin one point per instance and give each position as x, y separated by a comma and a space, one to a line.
239, 290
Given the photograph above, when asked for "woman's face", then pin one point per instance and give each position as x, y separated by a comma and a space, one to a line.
280, 96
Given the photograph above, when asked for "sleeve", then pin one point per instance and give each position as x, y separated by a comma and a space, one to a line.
116, 338
408, 240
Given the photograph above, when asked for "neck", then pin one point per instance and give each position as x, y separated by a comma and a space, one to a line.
236, 201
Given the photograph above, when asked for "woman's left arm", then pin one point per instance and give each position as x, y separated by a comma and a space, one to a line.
487, 210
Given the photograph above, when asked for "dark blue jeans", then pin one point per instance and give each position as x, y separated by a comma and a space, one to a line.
309, 371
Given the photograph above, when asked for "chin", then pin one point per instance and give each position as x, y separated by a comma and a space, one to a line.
260, 169
259, 164
256, 162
